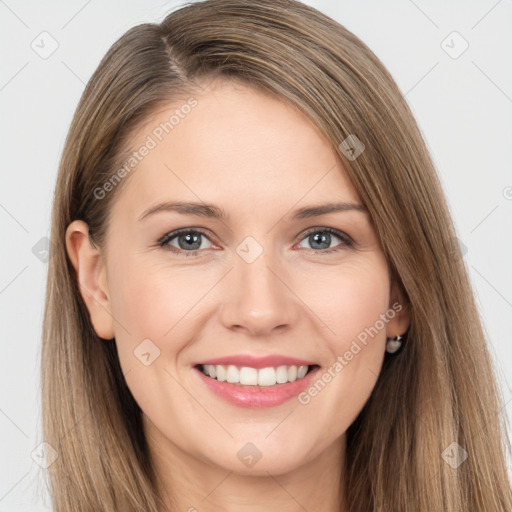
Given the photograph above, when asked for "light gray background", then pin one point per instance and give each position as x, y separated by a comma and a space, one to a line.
463, 106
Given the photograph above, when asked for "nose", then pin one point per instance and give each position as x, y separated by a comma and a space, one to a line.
257, 298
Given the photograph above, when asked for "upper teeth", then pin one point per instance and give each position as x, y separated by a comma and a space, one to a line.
248, 376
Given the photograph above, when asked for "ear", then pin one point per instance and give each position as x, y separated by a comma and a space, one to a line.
91, 275
399, 324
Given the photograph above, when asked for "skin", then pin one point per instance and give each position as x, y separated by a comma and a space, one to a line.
240, 149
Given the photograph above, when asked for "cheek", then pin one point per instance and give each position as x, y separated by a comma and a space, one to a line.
351, 308
348, 299
354, 307
155, 302
150, 298
363, 332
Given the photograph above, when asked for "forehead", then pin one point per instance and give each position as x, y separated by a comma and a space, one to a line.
233, 144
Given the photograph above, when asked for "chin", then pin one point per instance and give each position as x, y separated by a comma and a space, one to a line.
262, 456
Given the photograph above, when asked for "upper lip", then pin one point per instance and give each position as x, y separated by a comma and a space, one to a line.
257, 362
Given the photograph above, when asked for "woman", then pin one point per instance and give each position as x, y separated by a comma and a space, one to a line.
256, 302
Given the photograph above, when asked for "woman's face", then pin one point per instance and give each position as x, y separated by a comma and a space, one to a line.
273, 278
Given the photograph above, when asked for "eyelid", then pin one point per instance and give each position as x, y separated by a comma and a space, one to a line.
346, 240
173, 234
325, 229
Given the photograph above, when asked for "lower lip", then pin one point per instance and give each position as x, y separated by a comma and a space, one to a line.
257, 397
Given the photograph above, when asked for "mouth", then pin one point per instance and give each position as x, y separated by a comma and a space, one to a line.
247, 376
256, 388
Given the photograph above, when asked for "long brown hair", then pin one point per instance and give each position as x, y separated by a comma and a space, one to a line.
440, 389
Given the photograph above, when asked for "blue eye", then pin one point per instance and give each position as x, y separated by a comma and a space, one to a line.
190, 243
323, 236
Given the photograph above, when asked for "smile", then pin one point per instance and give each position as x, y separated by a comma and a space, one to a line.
248, 376
255, 388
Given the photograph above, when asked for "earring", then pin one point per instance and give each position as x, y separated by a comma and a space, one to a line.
393, 344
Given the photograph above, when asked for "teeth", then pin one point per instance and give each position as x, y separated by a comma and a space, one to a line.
248, 376
220, 371
301, 371
233, 375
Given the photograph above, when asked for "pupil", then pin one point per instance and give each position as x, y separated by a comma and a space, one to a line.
191, 239
322, 238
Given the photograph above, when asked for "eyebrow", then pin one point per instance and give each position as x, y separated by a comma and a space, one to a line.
215, 212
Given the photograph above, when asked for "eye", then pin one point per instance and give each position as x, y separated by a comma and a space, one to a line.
188, 241
321, 238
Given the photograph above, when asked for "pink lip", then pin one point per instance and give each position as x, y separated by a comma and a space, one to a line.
257, 362
255, 396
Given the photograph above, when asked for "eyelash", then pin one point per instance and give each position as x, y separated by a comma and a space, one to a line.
346, 241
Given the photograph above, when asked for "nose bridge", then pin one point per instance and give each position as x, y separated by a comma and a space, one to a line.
257, 297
